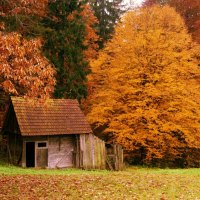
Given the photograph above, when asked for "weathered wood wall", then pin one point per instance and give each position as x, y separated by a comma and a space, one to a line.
2, 113
60, 151
100, 153
14, 148
3, 108
114, 157
86, 147
84, 151
93, 152
97, 155
31, 139
13, 139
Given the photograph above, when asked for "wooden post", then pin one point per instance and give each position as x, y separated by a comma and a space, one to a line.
115, 157
9, 153
77, 150
23, 153
14, 155
82, 149
104, 154
81, 159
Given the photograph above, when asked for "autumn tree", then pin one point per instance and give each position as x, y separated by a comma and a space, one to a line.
66, 25
146, 89
23, 68
153, 2
189, 10
13, 7
23, 16
91, 38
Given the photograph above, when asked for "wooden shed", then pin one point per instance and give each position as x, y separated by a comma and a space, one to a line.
54, 134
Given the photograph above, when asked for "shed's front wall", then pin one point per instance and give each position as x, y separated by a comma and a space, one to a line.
66, 151
60, 151
35, 139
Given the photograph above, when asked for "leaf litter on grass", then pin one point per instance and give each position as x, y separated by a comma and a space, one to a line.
114, 185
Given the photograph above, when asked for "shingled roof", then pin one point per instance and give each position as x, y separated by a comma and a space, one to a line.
54, 117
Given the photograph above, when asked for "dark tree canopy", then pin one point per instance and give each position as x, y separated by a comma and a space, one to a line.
64, 47
108, 13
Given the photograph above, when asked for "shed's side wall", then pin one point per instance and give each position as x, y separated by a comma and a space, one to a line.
60, 151
2, 113
114, 157
14, 139
93, 152
14, 148
100, 153
87, 146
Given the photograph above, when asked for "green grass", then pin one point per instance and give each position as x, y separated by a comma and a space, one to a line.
132, 183
7, 169
178, 171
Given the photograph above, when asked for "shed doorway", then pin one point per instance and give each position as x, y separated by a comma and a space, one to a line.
30, 154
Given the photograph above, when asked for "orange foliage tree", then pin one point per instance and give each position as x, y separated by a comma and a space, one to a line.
146, 88
189, 10
23, 68
91, 38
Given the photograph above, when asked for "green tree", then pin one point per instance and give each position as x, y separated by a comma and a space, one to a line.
107, 13
64, 47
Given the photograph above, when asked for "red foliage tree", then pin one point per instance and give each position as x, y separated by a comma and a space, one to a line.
23, 68
13, 7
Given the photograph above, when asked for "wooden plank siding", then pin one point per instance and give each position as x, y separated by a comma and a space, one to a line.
53, 135
61, 150
84, 151
100, 153
14, 148
114, 157
93, 149
2, 113
13, 139
31, 139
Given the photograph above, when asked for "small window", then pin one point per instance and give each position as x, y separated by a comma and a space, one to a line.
42, 144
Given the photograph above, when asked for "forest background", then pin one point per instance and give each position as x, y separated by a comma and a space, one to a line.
135, 72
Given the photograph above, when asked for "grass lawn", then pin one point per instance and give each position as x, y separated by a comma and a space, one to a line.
72, 184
